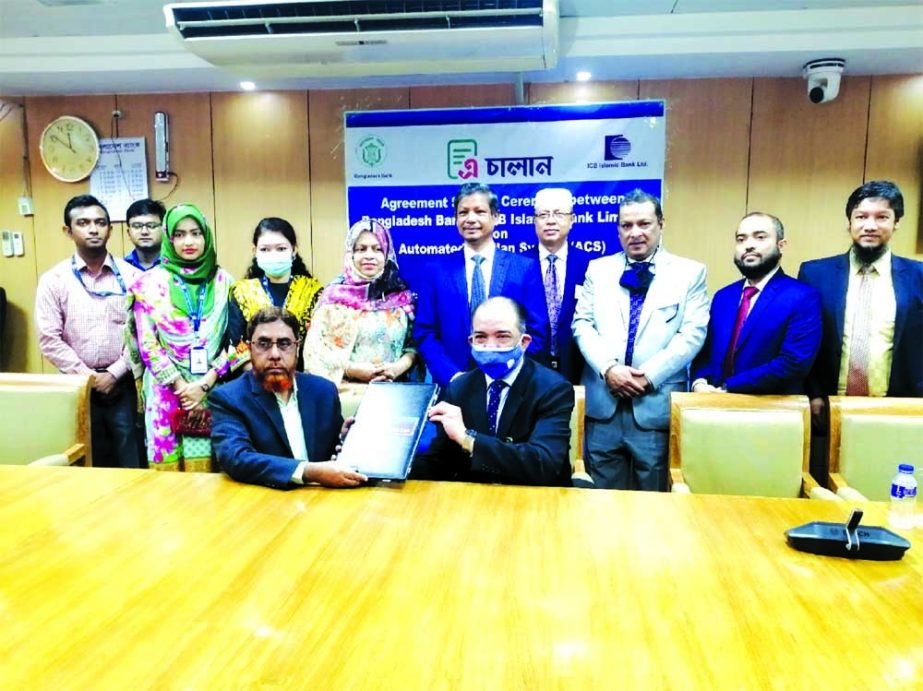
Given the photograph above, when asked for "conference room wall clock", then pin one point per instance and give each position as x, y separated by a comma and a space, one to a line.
69, 148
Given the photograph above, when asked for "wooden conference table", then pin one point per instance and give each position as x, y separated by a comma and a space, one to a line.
133, 579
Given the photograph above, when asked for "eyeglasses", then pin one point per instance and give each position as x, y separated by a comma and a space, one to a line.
558, 215
141, 226
264, 345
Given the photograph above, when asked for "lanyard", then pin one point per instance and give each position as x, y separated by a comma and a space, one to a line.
100, 293
196, 314
265, 283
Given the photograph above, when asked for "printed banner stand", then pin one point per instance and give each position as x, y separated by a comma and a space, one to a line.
405, 166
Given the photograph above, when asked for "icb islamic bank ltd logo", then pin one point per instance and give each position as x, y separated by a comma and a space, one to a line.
461, 159
617, 147
371, 151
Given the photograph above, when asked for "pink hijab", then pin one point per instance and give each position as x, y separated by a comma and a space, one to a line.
387, 290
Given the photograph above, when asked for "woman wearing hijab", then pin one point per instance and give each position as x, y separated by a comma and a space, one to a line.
180, 310
277, 276
362, 325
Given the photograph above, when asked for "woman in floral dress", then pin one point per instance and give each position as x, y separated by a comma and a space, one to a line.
362, 324
180, 310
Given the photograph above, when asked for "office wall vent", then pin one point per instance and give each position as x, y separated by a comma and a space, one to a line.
332, 38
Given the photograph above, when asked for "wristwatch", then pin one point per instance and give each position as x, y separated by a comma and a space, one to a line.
468, 442
205, 387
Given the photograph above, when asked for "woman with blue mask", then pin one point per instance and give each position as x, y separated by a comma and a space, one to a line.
276, 276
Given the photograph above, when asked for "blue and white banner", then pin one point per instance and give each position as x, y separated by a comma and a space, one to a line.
404, 167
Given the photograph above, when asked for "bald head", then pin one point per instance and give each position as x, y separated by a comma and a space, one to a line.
554, 217
499, 323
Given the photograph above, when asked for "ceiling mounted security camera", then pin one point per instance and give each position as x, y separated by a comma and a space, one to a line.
823, 78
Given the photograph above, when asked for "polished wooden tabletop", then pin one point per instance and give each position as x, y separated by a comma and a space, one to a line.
133, 579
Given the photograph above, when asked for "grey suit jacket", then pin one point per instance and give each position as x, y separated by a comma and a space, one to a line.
671, 331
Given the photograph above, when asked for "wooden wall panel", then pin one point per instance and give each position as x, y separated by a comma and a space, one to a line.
705, 185
895, 150
190, 147
805, 159
582, 92
51, 195
462, 96
328, 187
19, 346
261, 169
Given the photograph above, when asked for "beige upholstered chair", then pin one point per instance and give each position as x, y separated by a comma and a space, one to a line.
579, 475
739, 444
350, 397
45, 419
869, 437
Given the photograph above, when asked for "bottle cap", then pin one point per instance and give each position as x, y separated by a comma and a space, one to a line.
905, 468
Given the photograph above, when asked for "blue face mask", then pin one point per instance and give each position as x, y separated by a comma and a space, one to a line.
497, 363
275, 267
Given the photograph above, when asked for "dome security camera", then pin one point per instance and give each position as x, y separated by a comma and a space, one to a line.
823, 78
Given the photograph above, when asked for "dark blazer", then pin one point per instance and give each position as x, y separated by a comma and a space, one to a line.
830, 276
533, 434
443, 321
570, 360
777, 344
249, 437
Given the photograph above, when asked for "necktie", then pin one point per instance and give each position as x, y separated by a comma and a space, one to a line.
857, 379
478, 291
493, 403
637, 279
742, 311
553, 301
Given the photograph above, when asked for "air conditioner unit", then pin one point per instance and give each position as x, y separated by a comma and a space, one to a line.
354, 38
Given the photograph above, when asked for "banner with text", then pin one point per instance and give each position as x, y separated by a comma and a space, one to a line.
404, 167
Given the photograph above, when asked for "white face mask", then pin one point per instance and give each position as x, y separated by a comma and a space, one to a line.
276, 266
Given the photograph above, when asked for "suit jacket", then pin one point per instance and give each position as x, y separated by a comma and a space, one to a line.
533, 433
830, 276
570, 361
443, 319
777, 344
671, 331
249, 436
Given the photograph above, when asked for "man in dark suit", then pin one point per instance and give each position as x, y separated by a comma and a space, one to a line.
562, 267
460, 283
872, 304
508, 420
275, 426
763, 331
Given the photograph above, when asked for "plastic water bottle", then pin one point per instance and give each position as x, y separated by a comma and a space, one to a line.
902, 514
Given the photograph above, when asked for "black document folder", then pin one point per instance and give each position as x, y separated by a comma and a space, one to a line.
390, 419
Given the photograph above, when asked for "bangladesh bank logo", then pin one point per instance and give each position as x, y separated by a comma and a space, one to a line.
371, 151
617, 147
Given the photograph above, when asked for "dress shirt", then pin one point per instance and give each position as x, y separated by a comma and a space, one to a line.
653, 269
81, 333
560, 266
486, 266
294, 432
881, 338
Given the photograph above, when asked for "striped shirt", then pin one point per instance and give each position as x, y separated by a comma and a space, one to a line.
79, 332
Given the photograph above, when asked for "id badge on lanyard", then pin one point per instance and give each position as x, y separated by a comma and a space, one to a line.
198, 355
198, 360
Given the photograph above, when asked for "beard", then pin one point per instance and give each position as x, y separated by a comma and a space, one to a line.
275, 382
867, 255
755, 272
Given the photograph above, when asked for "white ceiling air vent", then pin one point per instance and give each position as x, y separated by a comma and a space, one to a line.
353, 38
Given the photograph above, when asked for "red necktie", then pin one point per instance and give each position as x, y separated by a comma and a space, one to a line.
742, 311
